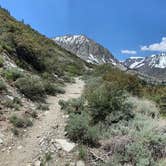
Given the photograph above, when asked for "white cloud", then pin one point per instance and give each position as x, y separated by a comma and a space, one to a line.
132, 52
156, 46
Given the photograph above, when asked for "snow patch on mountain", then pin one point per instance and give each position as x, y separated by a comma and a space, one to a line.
154, 65
79, 39
93, 59
153, 61
158, 61
138, 57
86, 49
134, 65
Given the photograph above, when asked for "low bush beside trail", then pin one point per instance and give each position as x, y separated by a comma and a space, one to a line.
125, 127
31, 87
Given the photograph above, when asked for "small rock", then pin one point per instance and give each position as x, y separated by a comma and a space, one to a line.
10, 148
46, 112
2, 150
19, 147
37, 163
67, 146
80, 163
65, 116
59, 147
52, 141
72, 164
1, 141
10, 97
29, 165
1, 135
2, 118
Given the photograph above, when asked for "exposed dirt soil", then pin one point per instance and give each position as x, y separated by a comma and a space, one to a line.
26, 149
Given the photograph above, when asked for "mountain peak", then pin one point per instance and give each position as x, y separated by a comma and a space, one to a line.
154, 65
158, 61
86, 48
71, 39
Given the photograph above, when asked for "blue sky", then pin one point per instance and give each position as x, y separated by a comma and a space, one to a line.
120, 25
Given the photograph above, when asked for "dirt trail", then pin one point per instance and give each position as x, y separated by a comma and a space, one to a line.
162, 122
25, 150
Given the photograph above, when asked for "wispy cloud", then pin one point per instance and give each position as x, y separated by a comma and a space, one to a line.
131, 52
161, 46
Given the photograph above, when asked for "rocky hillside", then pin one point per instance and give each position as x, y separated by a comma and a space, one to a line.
32, 67
154, 65
86, 49
29, 49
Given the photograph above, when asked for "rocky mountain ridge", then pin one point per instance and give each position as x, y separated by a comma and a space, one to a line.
153, 66
86, 49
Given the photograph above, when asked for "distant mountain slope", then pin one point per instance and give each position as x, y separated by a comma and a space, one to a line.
133, 62
86, 49
154, 65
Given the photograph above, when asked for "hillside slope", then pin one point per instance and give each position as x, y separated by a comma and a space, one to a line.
31, 68
31, 49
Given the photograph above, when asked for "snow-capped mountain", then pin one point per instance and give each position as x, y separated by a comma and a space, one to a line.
86, 49
154, 65
134, 62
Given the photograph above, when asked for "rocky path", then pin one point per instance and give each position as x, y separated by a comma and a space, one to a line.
46, 135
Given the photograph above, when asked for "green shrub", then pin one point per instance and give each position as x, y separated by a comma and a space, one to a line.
135, 154
138, 154
7, 48
43, 107
162, 162
147, 143
31, 87
1, 62
77, 104
46, 158
52, 89
64, 104
162, 105
59, 90
74, 69
146, 130
34, 114
2, 86
79, 130
15, 131
17, 100
108, 100
121, 128
12, 74
73, 105
46, 76
82, 152
68, 79
144, 107
11, 104
20, 122
49, 88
